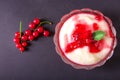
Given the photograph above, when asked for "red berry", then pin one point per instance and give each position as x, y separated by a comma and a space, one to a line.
17, 34
18, 45
28, 32
24, 44
16, 40
88, 41
32, 26
99, 17
95, 26
31, 37
46, 33
40, 29
35, 33
36, 21
22, 49
24, 38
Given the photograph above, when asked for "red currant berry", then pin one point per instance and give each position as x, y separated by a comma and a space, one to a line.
99, 17
46, 33
22, 49
28, 32
88, 41
95, 26
24, 38
18, 45
24, 44
35, 33
16, 40
32, 26
36, 21
17, 34
31, 37
40, 29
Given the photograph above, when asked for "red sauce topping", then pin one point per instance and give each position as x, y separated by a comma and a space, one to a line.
82, 36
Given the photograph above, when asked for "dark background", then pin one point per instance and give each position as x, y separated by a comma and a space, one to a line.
41, 62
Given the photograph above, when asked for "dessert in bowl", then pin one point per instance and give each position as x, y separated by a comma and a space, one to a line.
85, 38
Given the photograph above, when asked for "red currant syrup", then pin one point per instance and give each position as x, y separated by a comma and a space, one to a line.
82, 36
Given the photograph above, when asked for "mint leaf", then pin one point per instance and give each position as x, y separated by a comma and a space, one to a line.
98, 35
20, 29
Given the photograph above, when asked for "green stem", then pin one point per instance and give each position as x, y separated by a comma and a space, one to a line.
45, 22
41, 23
20, 29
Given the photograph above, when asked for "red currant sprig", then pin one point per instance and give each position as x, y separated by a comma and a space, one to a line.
33, 32
19, 39
40, 29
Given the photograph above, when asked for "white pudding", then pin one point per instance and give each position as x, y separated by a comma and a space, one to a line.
84, 56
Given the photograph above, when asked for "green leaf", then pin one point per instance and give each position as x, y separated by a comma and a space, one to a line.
20, 29
98, 35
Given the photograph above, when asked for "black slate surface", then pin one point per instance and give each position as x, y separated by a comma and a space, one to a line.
41, 62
